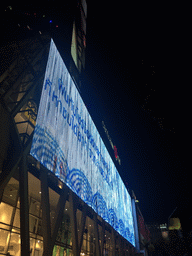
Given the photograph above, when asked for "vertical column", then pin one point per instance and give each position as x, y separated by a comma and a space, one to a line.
102, 237
46, 227
24, 207
74, 224
58, 217
82, 228
113, 242
98, 251
135, 225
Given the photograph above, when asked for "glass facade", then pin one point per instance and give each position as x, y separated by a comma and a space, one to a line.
10, 240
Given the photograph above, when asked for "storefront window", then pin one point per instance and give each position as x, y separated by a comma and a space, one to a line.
10, 225
88, 246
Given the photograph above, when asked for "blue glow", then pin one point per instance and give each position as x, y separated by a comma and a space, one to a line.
67, 143
50, 21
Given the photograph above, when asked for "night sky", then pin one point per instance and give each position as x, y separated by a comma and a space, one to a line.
137, 82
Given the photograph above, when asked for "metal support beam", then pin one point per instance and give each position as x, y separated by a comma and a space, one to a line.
113, 242
98, 250
25, 97
58, 217
12, 165
46, 227
24, 207
73, 208
102, 237
135, 225
82, 228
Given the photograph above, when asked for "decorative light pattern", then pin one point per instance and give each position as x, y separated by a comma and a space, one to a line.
67, 143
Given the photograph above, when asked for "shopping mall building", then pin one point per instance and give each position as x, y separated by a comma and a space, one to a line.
60, 192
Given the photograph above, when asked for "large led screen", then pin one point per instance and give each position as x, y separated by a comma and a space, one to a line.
67, 143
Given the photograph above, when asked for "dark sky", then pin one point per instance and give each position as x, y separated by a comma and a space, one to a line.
138, 56
137, 82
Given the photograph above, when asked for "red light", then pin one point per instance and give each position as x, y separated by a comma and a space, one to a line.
115, 151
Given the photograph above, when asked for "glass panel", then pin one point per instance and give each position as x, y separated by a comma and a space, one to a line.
39, 229
54, 198
6, 213
34, 207
10, 192
58, 251
38, 248
32, 246
64, 232
88, 246
78, 214
33, 224
34, 188
14, 245
16, 222
4, 237
18, 203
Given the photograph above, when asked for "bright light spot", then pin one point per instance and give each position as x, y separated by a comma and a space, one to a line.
165, 234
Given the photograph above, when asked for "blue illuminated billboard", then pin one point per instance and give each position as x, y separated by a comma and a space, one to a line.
67, 143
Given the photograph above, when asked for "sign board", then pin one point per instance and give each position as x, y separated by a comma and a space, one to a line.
67, 143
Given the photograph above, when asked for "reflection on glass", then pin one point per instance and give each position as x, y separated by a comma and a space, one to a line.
34, 207
16, 222
15, 244
4, 237
33, 224
6, 213
38, 247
